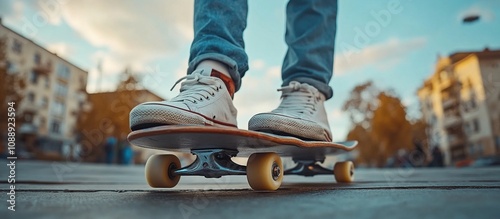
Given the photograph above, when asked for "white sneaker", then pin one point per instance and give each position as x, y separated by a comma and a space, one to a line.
203, 100
301, 114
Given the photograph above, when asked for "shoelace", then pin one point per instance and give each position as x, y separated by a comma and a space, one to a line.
197, 87
298, 98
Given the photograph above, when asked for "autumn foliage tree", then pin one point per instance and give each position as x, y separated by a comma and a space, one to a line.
10, 86
380, 124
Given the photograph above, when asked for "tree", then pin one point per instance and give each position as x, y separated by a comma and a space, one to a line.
390, 128
380, 124
362, 103
10, 86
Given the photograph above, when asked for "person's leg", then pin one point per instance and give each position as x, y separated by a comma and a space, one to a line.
310, 36
306, 72
218, 36
216, 64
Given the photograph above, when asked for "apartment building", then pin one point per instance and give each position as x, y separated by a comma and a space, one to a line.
460, 102
55, 90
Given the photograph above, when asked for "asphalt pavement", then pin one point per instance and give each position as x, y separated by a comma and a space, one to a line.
76, 190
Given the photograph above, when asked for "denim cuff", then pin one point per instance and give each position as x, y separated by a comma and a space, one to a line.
322, 87
231, 64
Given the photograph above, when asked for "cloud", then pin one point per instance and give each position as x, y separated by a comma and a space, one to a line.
382, 56
484, 13
339, 122
61, 49
258, 93
336, 113
10, 9
131, 30
257, 64
111, 68
156, 78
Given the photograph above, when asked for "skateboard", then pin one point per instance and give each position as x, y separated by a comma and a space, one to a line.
215, 146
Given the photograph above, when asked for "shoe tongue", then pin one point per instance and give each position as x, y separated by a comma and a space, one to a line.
303, 87
213, 73
204, 71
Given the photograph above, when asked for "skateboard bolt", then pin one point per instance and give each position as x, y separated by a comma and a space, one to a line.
276, 171
171, 168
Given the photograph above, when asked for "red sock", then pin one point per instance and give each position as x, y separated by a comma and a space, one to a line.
227, 81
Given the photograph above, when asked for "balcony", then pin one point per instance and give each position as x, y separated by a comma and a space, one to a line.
43, 69
450, 121
445, 83
449, 103
456, 140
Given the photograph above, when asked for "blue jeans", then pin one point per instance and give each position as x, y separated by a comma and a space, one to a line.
310, 36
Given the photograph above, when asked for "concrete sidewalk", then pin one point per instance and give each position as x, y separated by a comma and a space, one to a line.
74, 190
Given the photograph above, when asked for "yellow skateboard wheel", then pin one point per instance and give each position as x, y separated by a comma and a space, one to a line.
159, 169
264, 171
344, 172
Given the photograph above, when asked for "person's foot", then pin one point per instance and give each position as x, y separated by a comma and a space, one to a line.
301, 114
203, 100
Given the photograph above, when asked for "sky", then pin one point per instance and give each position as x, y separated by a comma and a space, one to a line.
152, 38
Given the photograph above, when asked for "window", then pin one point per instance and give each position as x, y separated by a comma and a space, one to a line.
33, 77
42, 122
47, 82
17, 46
472, 149
63, 71
55, 127
8, 66
31, 97
58, 108
28, 117
443, 75
497, 143
476, 125
433, 119
37, 59
473, 103
61, 90
83, 82
479, 149
11, 68
467, 127
44, 102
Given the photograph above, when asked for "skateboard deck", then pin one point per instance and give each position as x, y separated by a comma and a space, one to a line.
187, 138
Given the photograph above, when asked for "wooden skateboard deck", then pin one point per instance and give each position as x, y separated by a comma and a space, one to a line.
187, 138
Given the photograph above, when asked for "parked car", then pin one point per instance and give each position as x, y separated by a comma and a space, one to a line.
486, 161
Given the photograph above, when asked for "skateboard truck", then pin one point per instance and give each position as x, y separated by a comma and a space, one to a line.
212, 163
308, 168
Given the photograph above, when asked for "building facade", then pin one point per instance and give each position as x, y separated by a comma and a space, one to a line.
54, 91
108, 117
460, 103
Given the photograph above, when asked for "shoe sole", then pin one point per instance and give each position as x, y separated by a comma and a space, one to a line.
273, 123
150, 115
